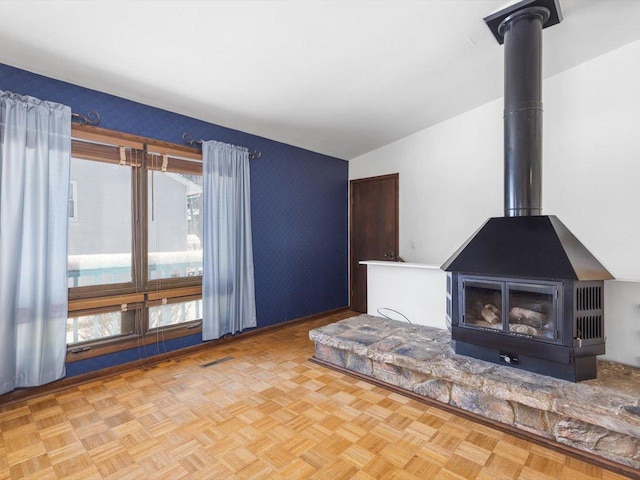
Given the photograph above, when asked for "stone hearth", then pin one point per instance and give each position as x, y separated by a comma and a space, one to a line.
601, 416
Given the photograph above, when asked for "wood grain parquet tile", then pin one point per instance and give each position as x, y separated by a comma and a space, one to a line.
64, 452
500, 468
423, 467
403, 475
266, 413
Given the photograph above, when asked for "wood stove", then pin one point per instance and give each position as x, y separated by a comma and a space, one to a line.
523, 290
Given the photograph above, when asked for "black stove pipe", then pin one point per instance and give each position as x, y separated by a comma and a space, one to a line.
522, 33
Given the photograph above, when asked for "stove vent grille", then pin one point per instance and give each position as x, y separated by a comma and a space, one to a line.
589, 315
588, 298
589, 327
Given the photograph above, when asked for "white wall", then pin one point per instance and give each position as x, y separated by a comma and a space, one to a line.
451, 174
415, 290
622, 322
592, 156
450, 181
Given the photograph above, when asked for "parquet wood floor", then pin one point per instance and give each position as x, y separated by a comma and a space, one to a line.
267, 413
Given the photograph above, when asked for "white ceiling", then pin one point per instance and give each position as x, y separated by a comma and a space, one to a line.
336, 77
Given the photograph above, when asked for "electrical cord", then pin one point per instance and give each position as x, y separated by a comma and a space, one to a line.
394, 311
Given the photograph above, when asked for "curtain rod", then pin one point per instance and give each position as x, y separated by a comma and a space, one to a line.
91, 118
186, 138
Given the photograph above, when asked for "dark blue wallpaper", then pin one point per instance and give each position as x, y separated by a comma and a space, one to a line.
298, 200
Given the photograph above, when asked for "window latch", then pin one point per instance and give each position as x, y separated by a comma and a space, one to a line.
123, 307
165, 162
123, 156
80, 349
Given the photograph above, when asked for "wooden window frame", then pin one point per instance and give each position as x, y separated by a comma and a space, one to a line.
141, 154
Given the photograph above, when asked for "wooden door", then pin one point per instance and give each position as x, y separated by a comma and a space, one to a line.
374, 229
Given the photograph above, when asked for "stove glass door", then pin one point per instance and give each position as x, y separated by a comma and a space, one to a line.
482, 304
532, 310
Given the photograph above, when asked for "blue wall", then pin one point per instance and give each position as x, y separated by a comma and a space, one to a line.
298, 199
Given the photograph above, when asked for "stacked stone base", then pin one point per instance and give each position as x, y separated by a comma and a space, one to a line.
601, 416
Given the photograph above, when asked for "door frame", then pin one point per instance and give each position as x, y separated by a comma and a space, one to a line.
395, 176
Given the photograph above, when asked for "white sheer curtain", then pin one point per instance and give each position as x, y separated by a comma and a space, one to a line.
35, 151
228, 290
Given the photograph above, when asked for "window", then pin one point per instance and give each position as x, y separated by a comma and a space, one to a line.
175, 222
174, 313
100, 239
135, 246
100, 325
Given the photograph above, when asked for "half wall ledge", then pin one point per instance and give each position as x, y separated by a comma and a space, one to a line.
600, 417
